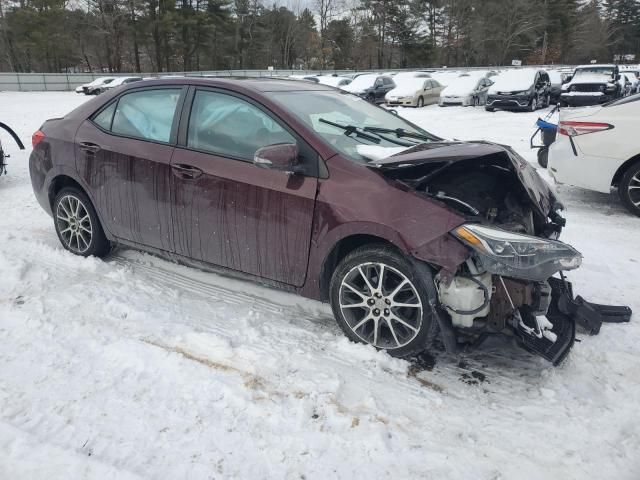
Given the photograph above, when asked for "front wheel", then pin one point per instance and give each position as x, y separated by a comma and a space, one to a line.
629, 189
77, 224
489, 109
378, 299
420, 102
534, 104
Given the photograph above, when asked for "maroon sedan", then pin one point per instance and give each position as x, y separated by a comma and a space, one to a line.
313, 190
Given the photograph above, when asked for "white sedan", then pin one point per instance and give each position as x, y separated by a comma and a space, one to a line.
597, 149
467, 89
89, 88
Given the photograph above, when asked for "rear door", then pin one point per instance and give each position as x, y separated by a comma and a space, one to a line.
227, 211
123, 154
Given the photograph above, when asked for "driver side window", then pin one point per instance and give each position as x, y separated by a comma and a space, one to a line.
231, 127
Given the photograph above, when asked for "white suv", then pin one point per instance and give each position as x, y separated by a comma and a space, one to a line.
597, 148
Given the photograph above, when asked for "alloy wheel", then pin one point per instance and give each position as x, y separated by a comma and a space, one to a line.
380, 305
74, 224
633, 190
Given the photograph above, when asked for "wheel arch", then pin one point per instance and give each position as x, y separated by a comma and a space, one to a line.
340, 250
623, 168
60, 182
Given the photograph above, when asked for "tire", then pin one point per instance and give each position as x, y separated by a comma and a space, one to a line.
77, 224
402, 331
543, 157
489, 109
629, 189
371, 98
534, 104
420, 102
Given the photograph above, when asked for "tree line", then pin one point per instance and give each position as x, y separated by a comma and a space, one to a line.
189, 35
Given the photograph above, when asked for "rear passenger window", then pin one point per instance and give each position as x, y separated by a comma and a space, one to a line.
146, 114
231, 127
103, 119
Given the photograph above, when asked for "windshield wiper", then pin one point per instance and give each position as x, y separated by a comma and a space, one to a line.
400, 132
352, 129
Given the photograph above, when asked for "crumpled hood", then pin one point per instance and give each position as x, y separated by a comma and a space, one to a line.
538, 190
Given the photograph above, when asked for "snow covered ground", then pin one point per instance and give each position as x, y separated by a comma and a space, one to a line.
134, 367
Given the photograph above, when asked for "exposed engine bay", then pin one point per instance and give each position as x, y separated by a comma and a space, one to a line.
513, 282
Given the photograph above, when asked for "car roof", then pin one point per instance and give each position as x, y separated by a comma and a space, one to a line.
597, 65
253, 84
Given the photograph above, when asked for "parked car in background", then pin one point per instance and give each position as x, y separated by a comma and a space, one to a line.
467, 89
116, 83
635, 73
414, 92
372, 87
446, 77
334, 80
628, 82
302, 187
89, 88
519, 89
400, 76
596, 149
592, 85
557, 78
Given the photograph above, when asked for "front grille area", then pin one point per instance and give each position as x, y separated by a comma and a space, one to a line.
588, 87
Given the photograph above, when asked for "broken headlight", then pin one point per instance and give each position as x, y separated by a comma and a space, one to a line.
516, 255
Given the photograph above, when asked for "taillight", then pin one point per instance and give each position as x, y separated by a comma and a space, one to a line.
573, 128
36, 138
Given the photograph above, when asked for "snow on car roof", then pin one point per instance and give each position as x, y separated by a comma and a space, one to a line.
512, 80
408, 86
361, 82
462, 85
403, 75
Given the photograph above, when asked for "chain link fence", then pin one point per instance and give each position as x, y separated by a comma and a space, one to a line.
61, 82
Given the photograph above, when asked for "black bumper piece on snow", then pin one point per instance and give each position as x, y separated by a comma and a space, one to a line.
589, 315
565, 312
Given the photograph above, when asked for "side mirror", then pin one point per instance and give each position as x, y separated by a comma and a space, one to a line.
281, 156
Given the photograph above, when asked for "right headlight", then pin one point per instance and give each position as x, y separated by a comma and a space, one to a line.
517, 255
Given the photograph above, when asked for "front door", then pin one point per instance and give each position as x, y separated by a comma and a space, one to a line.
123, 154
229, 212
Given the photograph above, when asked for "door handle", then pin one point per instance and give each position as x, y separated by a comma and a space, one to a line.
186, 171
89, 147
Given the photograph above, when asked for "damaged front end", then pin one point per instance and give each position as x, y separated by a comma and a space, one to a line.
512, 283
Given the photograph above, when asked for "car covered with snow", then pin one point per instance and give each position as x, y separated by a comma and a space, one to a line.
467, 89
371, 86
592, 85
334, 80
519, 89
91, 87
595, 149
414, 92
118, 81
412, 239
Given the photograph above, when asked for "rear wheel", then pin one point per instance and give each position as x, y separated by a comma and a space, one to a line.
77, 224
420, 102
371, 98
543, 157
629, 189
378, 299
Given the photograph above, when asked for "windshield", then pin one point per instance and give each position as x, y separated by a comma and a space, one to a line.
598, 70
327, 112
